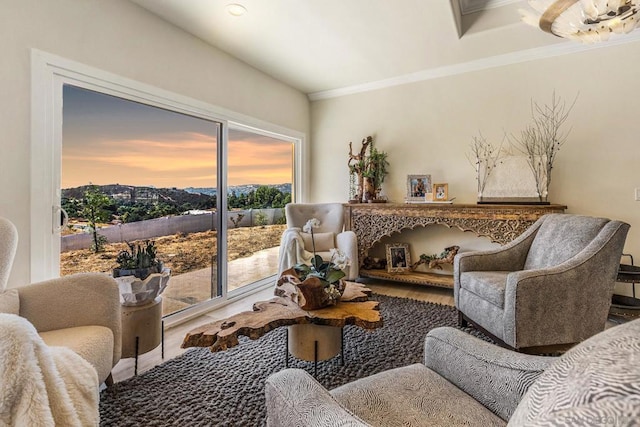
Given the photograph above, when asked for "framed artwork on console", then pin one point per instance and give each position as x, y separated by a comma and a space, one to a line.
440, 192
398, 259
418, 188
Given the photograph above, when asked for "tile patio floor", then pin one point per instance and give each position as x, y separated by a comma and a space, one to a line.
190, 288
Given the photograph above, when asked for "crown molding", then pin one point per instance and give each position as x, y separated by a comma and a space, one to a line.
559, 49
472, 6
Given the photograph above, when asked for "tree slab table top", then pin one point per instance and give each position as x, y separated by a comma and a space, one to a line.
354, 308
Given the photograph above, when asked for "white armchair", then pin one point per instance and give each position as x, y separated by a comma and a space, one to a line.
80, 312
296, 247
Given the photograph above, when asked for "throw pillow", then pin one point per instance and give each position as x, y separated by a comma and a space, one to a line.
9, 302
324, 241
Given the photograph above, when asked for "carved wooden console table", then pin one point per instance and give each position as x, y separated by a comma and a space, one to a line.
501, 223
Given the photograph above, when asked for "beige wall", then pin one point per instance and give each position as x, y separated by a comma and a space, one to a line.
426, 127
118, 37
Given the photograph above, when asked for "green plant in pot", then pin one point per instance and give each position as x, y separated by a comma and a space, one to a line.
375, 173
140, 261
319, 284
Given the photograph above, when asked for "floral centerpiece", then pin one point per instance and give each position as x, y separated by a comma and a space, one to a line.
319, 284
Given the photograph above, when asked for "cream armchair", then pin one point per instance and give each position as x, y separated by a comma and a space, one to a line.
296, 247
549, 288
80, 312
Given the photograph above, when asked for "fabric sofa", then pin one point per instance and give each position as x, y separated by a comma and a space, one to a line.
468, 381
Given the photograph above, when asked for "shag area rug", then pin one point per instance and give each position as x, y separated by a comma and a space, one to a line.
200, 388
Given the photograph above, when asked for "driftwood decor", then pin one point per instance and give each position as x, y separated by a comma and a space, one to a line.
436, 261
370, 168
353, 309
309, 294
357, 165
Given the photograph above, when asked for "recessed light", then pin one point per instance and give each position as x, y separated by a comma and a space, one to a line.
236, 9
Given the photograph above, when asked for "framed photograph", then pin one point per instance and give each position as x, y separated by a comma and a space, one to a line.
418, 187
398, 257
440, 192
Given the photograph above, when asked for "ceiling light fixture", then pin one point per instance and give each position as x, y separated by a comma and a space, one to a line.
236, 9
588, 21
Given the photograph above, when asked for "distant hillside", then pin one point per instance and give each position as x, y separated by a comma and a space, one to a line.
133, 194
239, 189
175, 200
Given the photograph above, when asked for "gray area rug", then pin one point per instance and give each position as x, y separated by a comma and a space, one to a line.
200, 388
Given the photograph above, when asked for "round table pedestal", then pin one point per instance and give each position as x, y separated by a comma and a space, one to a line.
314, 343
142, 329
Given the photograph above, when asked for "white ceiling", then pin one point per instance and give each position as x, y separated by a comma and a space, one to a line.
327, 46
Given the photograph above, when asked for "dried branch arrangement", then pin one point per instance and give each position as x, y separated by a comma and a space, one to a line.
541, 140
484, 158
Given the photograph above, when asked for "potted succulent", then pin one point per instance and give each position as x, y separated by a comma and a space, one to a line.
140, 261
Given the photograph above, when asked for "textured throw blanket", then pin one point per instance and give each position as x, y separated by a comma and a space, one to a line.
292, 250
42, 385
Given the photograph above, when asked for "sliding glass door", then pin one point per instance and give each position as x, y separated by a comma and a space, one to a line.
131, 174
210, 199
259, 181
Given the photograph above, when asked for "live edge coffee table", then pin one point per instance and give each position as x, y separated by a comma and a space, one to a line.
313, 335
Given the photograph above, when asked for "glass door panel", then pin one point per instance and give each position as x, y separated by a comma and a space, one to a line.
133, 173
259, 182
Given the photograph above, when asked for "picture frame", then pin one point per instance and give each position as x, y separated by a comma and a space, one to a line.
440, 192
418, 188
398, 257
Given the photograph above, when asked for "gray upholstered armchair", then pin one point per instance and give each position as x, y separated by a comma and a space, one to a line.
465, 381
80, 311
549, 288
296, 247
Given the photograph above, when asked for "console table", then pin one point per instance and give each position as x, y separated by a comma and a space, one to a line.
501, 223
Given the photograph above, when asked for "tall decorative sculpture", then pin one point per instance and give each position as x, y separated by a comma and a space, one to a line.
369, 167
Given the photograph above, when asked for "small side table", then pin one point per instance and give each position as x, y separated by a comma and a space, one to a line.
142, 329
314, 343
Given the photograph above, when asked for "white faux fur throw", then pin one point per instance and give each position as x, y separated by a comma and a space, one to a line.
41, 385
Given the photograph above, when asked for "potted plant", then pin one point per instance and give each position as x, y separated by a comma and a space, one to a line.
140, 261
375, 173
318, 285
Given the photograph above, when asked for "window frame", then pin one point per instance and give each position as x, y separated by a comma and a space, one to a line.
48, 75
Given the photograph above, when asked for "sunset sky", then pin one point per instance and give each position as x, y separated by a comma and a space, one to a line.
107, 140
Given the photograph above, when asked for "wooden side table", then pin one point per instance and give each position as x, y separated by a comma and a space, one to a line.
314, 343
142, 329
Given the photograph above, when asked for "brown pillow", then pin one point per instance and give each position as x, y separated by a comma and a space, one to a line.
324, 241
9, 302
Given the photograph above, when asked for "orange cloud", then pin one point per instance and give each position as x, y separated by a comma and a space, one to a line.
184, 160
